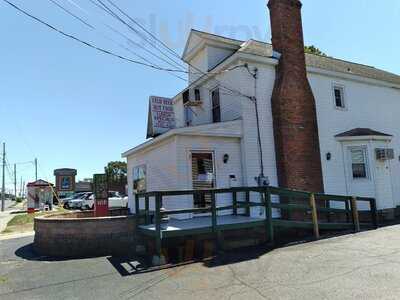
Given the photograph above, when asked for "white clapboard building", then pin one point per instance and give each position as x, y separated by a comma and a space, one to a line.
215, 141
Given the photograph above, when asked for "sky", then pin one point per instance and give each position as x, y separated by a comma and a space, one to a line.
71, 106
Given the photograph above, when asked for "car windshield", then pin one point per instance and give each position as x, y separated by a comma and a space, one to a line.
87, 196
78, 196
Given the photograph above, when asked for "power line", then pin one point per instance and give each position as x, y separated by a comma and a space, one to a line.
171, 62
171, 50
124, 36
145, 30
108, 10
89, 44
71, 14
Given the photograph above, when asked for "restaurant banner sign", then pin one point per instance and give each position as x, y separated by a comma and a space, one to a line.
161, 116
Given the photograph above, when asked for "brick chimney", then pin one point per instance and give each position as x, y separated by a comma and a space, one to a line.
293, 104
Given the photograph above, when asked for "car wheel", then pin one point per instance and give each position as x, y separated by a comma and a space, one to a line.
66, 206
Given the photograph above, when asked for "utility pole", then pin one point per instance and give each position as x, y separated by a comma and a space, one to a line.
3, 186
35, 169
20, 188
15, 181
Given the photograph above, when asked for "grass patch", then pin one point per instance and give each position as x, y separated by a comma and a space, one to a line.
3, 279
23, 219
24, 222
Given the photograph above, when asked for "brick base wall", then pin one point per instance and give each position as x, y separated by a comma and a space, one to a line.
79, 235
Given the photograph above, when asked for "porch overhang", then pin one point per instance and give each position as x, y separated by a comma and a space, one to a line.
363, 134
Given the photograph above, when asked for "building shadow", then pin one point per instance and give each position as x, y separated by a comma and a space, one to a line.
128, 266
28, 252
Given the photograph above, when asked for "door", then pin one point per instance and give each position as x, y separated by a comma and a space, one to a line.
203, 177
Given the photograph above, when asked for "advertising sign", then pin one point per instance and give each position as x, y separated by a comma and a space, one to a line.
161, 116
100, 188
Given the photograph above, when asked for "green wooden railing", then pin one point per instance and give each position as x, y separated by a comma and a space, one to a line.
290, 201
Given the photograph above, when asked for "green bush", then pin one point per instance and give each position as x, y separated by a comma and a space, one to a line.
18, 199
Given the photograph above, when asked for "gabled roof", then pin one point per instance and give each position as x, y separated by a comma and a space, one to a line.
312, 60
362, 132
39, 183
201, 35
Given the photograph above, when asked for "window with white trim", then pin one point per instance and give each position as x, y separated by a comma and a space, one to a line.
359, 163
338, 93
216, 106
139, 179
187, 109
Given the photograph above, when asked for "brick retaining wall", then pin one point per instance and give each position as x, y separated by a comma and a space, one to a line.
80, 235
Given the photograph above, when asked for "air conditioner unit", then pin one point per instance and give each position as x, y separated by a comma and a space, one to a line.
192, 97
384, 154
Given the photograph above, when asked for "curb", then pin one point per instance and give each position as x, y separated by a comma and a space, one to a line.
11, 236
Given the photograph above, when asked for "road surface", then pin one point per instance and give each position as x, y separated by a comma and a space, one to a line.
361, 266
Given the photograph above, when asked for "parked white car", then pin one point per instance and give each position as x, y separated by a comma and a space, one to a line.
76, 202
115, 200
88, 201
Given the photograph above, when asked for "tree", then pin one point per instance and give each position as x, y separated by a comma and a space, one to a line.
313, 50
116, 172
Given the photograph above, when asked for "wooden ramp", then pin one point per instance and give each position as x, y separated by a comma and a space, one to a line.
200, 225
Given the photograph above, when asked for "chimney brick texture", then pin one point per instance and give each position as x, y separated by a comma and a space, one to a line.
293, 104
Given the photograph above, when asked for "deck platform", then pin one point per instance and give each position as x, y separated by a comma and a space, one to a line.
199, 225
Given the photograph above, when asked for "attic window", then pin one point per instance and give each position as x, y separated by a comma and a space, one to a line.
338, 93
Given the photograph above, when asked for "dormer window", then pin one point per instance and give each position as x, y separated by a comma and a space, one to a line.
338, 93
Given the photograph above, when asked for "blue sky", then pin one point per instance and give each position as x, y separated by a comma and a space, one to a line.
71, 106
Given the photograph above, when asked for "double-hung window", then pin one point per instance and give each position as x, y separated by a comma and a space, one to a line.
359, 162
338, 93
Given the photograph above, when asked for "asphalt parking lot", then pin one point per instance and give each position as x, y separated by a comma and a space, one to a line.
361, 266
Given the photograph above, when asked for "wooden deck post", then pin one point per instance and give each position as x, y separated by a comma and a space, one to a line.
269, 228
248, 203
137, 207
147, 209
158, 224
234, 203
328, 205
214, 220
374, 213
347, 206
314, 216
354, 210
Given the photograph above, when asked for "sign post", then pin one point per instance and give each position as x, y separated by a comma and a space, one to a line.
100, 186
